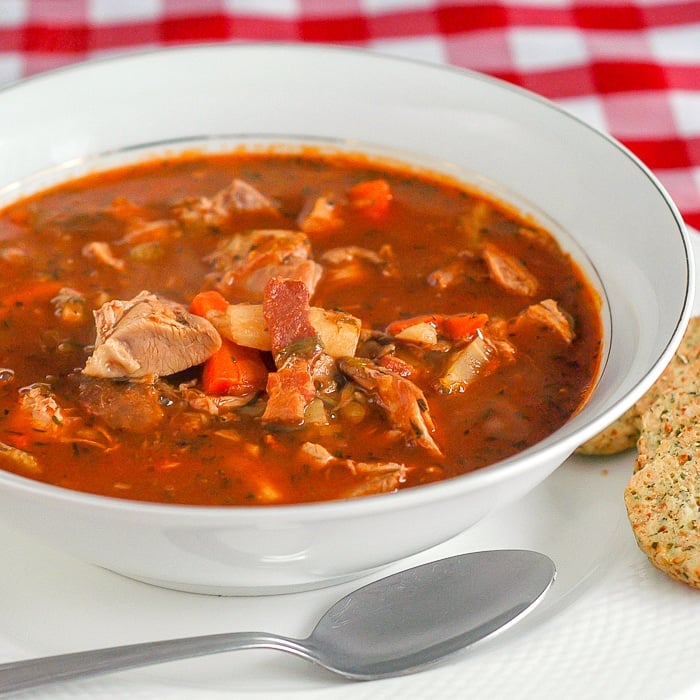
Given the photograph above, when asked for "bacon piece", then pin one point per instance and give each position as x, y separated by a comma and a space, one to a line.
290, 390
294, 344
286, 311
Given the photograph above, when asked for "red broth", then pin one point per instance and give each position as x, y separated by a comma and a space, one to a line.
464, 333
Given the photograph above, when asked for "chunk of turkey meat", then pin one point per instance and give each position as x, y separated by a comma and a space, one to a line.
403, 402
148, 335
545, 320
102, 252
42, 409
137, 407
213, 212
247, 261
509, 272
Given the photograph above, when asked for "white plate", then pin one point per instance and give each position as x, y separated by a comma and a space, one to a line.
611, 627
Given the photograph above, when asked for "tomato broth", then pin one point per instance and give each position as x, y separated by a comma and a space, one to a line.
266, 328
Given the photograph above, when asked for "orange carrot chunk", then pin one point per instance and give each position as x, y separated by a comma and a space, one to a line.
234, 370
461, 326
371, 197
210, 300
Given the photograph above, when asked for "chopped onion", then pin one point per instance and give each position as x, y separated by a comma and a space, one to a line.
467, 364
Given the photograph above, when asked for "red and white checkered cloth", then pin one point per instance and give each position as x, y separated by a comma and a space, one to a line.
629, 67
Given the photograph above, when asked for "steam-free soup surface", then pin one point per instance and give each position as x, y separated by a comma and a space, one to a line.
265, 328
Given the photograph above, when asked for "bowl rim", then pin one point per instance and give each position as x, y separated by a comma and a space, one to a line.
548, 448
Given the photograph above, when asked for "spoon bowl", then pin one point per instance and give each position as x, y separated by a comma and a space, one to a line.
393, 626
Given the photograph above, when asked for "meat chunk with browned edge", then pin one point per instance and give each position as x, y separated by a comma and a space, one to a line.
246, 262
148, 335
294, 346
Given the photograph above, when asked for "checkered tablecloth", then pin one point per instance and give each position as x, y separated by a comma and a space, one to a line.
631, 68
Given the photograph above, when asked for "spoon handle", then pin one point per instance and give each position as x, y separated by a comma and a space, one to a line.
21, 675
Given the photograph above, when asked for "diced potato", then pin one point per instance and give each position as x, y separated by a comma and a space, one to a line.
421, 333
339, 332
244, 324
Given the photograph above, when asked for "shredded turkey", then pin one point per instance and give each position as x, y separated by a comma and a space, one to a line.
403, 402
376, 476
215, 211
102, 252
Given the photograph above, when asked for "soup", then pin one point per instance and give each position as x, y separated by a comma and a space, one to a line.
267, 328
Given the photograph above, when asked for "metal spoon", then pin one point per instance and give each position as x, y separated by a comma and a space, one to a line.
391, 627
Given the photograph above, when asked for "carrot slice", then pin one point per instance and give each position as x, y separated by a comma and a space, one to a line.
461, 326
371, 197
454, 327
234, 370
